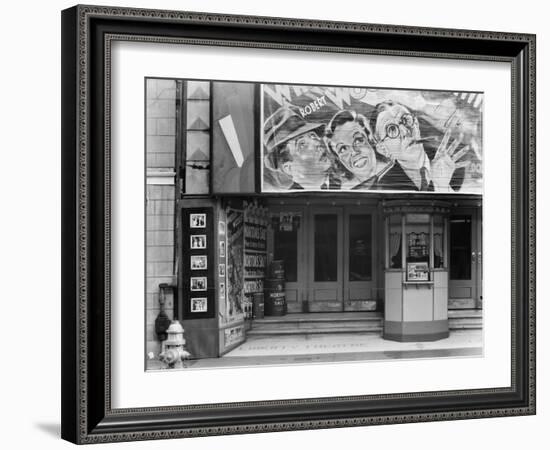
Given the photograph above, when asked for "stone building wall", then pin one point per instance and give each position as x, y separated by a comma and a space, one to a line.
160, 242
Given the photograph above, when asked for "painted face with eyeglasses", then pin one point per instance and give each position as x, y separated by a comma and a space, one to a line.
350, 143
398, 135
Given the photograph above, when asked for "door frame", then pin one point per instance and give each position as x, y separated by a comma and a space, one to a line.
370, 302
475, 258
300, 294
294, 305
327, 304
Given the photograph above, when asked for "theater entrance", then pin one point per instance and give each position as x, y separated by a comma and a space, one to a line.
329, 256
465, 265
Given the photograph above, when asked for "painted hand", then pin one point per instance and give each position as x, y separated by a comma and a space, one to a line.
446, 159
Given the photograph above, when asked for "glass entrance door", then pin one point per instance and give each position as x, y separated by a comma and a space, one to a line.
325, 266
328, 255
341, 263
288, 245
465, 260
358, 264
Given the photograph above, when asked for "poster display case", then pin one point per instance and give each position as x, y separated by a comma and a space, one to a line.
230, 274
197, 261
255, 257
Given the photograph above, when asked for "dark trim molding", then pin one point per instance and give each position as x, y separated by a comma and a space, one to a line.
87, 34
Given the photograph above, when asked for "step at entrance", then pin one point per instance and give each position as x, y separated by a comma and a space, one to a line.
349, 322
466, 319
318, 323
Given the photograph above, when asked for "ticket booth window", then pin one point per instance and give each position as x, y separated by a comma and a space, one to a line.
417, 232
421, 237
395, 234
439, 241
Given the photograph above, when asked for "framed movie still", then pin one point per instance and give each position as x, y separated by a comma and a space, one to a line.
324, 223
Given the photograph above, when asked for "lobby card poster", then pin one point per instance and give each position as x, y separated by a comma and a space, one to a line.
235, 265
367, 139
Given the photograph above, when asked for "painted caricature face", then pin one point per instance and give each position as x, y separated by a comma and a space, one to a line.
397, 133
351, 146
309, 160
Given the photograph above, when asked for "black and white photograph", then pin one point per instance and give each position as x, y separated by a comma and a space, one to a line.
288, 222
197, 221
198, 242
352, 230
199, 304
198, 284
199, 262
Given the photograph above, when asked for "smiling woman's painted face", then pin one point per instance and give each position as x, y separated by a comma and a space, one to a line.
398, 133
351, 145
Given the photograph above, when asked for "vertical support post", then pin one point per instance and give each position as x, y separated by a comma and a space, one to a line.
387, 240
404, 245
181, 156
446, 241
431, 252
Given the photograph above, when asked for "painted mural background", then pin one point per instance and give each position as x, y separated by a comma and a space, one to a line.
345, 138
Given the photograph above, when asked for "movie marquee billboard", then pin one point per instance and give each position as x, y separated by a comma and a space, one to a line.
317, 138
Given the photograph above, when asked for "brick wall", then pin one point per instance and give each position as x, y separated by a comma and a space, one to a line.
160, 241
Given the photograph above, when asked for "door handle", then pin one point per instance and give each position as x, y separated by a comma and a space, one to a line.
473, 257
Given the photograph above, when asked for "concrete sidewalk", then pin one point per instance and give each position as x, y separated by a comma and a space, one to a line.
347, 343
302, 349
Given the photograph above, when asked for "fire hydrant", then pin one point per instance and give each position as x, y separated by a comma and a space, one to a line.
173, 348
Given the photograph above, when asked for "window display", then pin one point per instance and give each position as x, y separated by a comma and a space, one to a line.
395, 236
417, 229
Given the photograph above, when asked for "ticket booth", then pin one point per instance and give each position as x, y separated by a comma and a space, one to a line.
416, 270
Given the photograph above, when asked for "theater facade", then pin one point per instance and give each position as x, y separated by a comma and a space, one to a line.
284, 201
